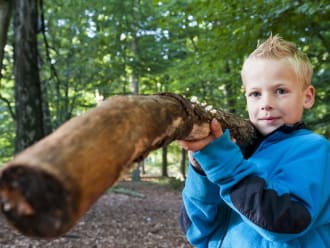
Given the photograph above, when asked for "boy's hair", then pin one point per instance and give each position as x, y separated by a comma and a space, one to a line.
275, 47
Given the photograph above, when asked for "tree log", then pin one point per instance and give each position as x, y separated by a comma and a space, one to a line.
47, 187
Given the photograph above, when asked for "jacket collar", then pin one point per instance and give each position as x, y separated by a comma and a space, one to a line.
278, 134
288, 128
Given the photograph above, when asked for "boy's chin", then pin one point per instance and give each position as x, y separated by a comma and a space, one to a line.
265, 130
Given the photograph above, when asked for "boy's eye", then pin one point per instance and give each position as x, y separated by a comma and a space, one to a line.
254, 94
280, 91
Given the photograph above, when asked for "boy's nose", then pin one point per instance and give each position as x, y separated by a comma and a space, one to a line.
267, 107
267, 102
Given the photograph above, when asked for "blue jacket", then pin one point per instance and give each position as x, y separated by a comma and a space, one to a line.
278, 197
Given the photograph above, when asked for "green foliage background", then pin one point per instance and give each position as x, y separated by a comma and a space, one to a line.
195, 48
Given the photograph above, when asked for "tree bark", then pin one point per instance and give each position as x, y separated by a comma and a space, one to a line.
50, 185
28, 98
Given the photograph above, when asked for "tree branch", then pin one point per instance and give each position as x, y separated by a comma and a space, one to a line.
11, 111
52, 68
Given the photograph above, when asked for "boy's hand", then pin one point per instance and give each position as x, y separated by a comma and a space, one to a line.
192, 146
216, 131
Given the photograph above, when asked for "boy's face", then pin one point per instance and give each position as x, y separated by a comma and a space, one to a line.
274, 94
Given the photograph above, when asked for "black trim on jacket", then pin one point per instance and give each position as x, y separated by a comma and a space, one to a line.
267, 209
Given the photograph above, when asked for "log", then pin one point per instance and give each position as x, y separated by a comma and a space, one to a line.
47, 187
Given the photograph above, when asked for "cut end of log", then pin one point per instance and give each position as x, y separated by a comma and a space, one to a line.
34, 202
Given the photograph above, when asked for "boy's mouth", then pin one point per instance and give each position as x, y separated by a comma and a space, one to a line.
269, 120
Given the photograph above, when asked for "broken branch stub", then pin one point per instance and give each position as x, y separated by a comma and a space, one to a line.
46, 188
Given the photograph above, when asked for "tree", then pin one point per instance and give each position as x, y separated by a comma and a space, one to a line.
164, 161
28, 99
5, 16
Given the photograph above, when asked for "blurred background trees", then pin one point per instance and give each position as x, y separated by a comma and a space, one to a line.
86, 51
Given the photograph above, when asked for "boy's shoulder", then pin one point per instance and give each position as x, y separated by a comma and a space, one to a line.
301, 138
312, 136
305, 138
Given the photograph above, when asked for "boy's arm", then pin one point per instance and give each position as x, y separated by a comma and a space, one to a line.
274, 215
204, 213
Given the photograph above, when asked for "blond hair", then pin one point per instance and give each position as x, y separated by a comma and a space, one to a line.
275, 47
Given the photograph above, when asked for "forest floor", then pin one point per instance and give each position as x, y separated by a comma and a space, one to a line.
131, 214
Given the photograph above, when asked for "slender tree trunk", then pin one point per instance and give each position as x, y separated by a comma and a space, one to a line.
6, 7
183, 163
5, 16
136, 173
229, 91
47, 118
28, 99
164, 161
49, 186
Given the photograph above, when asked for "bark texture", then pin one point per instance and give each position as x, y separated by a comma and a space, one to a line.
46, 188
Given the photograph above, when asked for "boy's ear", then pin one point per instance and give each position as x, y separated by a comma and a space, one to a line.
309, 97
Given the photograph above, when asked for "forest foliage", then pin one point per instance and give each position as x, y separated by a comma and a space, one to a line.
91, 50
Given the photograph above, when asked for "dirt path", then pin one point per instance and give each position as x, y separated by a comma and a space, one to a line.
135, 215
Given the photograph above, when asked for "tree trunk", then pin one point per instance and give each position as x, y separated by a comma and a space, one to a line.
183, 163
5, 14
49, 186
136, 173
6, 7
29, 120
164, 161
47, 118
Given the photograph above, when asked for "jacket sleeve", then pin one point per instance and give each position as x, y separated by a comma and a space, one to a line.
204, 213
279, 210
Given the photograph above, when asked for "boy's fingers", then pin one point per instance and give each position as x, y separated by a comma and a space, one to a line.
216, 128
194, 145
187, 145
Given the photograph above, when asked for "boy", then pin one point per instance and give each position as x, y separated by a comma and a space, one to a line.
280, 195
